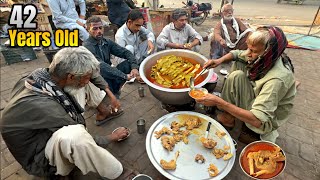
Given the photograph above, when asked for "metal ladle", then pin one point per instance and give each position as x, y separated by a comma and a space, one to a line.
192, 83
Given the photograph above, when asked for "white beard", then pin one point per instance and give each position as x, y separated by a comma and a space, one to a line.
71, 90
228, 18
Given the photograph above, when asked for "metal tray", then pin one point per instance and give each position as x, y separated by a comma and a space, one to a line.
187, 168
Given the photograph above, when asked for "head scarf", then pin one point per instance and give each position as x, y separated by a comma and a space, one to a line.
41, 82
275, 47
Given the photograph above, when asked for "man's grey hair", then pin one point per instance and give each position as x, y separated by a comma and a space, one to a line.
177, 13
78, 61
259, 37
225, 6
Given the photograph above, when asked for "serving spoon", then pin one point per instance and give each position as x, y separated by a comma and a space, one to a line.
203, 70
192, 83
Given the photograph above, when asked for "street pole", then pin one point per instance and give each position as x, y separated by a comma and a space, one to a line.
315, 17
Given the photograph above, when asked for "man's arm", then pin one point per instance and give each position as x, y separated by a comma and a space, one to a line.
57, 14
122, 52
105, 67
163, 38
193, 34
149, 34
217, 32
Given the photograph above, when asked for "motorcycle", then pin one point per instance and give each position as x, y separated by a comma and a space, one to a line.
199, 12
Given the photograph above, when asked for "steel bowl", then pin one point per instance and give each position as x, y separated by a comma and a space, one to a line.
204, 90
245, 150
167, 95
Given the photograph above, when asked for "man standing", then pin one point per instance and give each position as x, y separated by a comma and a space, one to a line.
230, 33
260, 89
102, 49
65, 16
179, 34
42, 124
134, 37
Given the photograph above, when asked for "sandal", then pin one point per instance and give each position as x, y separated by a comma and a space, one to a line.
121, 139
110, 117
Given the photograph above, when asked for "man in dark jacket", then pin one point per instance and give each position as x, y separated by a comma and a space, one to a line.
42, 124
102, 49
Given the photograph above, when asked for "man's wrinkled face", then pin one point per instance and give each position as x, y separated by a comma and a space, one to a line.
227, 13
181, 22
253, 52
134, 26
96, 30
75, 83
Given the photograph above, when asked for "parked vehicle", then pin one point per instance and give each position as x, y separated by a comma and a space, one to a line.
199, 12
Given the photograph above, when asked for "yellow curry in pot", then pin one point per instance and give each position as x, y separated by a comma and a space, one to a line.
175, 72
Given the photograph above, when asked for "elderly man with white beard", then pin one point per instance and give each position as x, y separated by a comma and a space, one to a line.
229, 34
43, 125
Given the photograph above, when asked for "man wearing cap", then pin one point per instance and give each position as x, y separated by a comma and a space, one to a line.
179, 34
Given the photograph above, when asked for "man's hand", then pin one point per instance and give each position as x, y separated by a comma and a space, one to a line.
134, 73
150, 47
81, 24
119, 134
82, 17
129, 77
209, 100
188, 46
223, 42
212, 63
115, 104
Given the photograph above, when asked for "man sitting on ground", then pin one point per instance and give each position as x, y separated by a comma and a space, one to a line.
134, 37
102, 49
229, 34
260, 88
43, 127
65, 16
179, 34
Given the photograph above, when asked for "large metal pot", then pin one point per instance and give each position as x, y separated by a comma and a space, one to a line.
167, 95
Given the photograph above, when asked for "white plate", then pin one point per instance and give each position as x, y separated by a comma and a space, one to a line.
187, 168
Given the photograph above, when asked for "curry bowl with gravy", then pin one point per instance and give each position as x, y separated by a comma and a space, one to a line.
197, 93
170, 84
262, 160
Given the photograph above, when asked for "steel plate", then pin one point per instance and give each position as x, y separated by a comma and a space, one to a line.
187, 168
